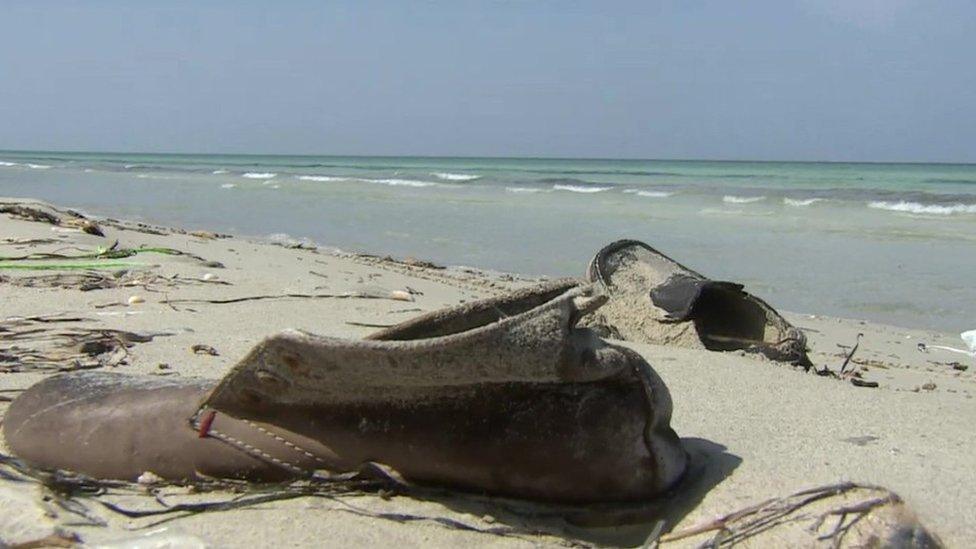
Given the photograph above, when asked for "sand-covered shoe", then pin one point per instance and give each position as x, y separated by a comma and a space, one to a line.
505, 396
654, 299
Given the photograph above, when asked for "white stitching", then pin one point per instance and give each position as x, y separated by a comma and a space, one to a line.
257, 451
240, 444
290, 444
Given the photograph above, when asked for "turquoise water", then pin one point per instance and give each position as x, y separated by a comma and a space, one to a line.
885, 242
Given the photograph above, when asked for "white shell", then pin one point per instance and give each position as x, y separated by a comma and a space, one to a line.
148, 478
401, 295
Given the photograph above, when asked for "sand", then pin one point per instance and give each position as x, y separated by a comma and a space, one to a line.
756, 429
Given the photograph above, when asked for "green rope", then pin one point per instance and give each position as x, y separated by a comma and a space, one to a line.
99, 254
70, 266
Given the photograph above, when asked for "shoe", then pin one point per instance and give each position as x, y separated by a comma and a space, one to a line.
654, 299
503, 396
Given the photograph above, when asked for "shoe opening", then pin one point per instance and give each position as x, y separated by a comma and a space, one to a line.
727, 320
469, 317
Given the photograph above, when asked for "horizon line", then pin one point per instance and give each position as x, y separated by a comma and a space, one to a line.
493, 157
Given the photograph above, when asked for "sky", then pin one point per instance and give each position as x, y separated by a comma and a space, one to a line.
835, 80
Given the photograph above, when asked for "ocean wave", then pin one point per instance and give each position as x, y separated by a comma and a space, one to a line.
649, 194
259, 175
228, 185
951, 181
801, 201
447, 176
916, 208
730, 199
218, 172
28, 165
400, 182
524, 190
580, 188
744, 213
322, 178
393, 182
286, 239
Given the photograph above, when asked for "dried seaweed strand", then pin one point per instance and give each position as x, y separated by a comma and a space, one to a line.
352, 295
755, 519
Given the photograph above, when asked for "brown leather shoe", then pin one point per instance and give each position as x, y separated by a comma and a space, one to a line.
504, 395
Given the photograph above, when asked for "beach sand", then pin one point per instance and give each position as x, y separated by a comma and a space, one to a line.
755, 429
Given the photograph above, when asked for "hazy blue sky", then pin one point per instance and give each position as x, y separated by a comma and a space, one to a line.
810, 80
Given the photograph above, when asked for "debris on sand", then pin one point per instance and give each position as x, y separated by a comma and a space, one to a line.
46, 343
49, 215
90, 280
859, 515
202, 349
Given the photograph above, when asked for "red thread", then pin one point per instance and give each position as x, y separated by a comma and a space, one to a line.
206, 423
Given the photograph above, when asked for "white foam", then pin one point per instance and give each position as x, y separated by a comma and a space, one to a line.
38, 166
286, 239
970, 338
524, 190
392, 181
259, 175
3, 163
400, 182
724, 211
228, 185
649, 194
729, 199
455, 176
916, 208
218, 172
800, 202
580, 188
323, 178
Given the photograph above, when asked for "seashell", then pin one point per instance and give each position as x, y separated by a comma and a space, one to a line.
208, 277
149, 478
136, 299
401, 295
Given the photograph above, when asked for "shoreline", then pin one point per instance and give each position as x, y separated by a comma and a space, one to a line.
887, 244
759, 429
488, 274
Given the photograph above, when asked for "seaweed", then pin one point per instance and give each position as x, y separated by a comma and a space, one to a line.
62, 348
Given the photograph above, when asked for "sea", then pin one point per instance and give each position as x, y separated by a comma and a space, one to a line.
891, 243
